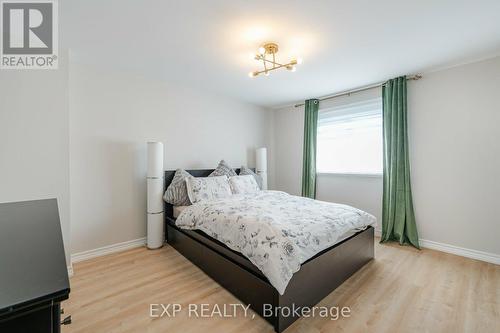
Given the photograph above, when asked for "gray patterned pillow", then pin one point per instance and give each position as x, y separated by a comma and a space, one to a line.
247, 171
243, 184
223, 169
176, 193
208, 188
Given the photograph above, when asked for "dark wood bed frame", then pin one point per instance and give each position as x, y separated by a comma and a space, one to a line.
317, 277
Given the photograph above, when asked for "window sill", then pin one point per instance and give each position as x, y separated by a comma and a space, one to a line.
350, 174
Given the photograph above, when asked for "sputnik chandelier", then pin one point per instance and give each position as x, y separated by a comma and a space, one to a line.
267, 54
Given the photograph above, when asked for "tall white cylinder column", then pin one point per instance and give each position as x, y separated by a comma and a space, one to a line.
155, 184
261, 165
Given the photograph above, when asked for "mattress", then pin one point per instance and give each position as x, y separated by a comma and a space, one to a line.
177, 210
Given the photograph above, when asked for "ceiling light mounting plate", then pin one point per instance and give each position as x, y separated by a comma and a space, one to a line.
271, 48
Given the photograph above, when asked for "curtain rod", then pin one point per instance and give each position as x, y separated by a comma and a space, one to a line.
348, 92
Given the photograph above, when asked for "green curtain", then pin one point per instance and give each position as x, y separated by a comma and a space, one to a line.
398, 218
309, 154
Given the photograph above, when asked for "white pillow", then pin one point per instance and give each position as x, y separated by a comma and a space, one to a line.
243, 184
207, 188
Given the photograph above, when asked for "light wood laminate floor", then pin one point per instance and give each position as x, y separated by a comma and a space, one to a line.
402, 290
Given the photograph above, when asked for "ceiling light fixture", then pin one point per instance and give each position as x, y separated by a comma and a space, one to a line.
267, 54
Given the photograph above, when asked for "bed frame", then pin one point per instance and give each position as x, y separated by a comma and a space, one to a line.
317, 277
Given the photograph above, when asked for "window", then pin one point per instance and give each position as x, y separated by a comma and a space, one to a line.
350, 138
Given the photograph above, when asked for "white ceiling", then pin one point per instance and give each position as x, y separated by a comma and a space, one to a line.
344, 44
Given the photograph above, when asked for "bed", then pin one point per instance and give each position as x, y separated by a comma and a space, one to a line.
318, 275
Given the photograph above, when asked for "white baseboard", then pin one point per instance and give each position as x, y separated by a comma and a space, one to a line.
85, 255
459, 251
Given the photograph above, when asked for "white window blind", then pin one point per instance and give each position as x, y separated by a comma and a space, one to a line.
350, 138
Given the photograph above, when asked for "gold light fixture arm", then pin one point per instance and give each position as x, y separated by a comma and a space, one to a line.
259, 57
290, 64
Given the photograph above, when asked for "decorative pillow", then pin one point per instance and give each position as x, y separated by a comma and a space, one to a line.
176, 193
247, 171
208, 188
243, 184
223, 169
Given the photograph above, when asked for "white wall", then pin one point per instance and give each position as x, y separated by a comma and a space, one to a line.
455, 155
361, 191
454, 151
34, 162
113, 115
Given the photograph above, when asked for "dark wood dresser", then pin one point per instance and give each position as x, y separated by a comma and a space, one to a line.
33, 273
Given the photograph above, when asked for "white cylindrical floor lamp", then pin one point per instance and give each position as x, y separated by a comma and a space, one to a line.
155, 185
261, 165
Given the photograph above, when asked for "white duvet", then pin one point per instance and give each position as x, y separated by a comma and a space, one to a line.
274, 230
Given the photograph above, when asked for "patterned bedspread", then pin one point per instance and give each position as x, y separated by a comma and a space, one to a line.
274, 230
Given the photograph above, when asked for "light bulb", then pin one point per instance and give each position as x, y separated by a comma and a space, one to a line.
293, 69
262, 50
251, 74
299, 61
266, 73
